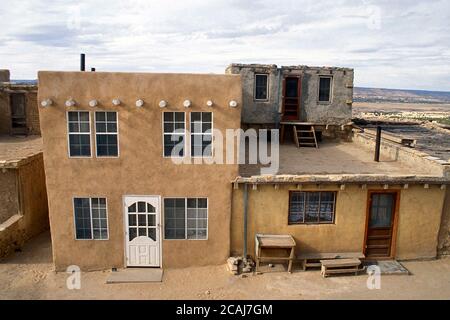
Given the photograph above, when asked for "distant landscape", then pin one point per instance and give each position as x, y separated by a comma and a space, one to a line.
402, 105
361, 94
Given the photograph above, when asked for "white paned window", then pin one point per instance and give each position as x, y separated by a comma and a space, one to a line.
186, 218
79, 133
91, 218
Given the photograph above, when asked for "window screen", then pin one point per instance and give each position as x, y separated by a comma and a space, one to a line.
174, 130
106, 134
311, 207
261, 86
201, 134
90, 218
186, 218
324, 88
79, 129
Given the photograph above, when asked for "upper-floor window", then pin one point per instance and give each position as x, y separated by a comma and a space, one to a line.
79, 128
325, 89
91, 221
174, 132
201, 134
261, 86
106, 134
311, 207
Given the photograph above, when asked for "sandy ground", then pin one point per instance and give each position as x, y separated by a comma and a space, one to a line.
28, 275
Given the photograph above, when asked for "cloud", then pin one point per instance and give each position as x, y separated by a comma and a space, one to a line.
406, 43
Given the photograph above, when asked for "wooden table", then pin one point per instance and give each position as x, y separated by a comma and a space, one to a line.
339, 266
268, 241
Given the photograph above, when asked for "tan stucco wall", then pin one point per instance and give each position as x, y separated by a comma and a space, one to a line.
33, 206
418, 224
140, 169
444, 232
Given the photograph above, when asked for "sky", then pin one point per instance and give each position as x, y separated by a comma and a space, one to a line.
390, 44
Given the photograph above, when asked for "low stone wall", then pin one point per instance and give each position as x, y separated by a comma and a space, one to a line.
404, 154
30, 218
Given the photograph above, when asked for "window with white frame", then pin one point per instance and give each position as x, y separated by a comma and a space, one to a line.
174, 132
261, 86
106, 134
79, 133
201, 134
186, 218
91, 221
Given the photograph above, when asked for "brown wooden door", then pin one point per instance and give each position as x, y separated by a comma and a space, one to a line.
291, 98
380, 224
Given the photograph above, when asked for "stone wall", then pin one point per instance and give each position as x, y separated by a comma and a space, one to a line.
29, 210
8, 194
337, 111
4, 75
31, 110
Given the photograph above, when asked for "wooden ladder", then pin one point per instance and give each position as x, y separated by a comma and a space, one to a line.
305, 136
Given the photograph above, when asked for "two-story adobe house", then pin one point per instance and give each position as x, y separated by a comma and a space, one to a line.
116, 196
125, 187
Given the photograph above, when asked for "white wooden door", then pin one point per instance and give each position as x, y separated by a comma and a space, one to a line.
142, 231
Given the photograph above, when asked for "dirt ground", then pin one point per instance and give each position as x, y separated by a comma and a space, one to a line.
28, 275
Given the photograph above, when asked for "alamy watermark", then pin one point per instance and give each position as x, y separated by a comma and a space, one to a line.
235, 146
73, 281
374, 279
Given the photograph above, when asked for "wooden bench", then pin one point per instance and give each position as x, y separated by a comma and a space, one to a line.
313, 259
339, 266
267, 241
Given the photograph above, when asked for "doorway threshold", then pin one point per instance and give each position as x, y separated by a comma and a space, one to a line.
135, 275
388, 267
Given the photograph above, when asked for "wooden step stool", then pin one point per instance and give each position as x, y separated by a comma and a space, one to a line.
339, 266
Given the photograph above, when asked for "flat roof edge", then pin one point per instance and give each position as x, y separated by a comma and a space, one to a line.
342, 179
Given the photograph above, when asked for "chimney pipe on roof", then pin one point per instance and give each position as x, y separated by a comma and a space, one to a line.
82, 62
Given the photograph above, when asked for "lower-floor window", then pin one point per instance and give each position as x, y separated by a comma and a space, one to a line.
185, 218
91, 221
311, 207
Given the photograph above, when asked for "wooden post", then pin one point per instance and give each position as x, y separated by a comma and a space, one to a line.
377, 144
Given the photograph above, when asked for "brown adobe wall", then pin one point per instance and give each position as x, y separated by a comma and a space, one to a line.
32, 219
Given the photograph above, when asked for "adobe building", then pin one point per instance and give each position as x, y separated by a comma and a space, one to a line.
116, 196
23, 213
19, 113
119, 197
279, 97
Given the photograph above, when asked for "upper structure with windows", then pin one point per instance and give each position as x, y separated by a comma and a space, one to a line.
272, 94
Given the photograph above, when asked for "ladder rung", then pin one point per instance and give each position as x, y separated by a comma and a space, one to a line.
304, 131
306, 138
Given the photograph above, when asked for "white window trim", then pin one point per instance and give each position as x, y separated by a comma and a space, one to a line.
171, 133
330, 100
90, 213
72, 133
212, 136
109, 133
163, 218
267, 86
